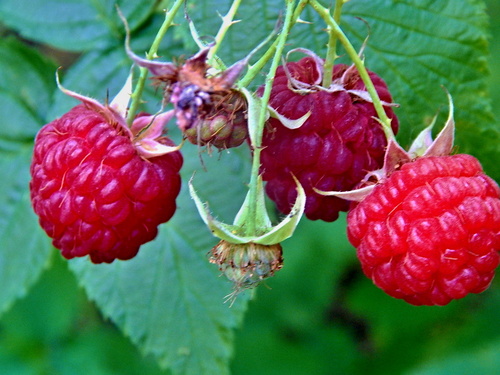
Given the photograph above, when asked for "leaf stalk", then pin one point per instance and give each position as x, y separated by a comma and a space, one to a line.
280, 45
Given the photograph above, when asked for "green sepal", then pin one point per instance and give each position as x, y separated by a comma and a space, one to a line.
218, 229
262, 219
265, 234
287, 226
195, 34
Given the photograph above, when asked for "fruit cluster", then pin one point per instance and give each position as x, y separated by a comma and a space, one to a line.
426, 224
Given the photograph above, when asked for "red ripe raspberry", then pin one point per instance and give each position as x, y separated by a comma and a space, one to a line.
93, 193
335, 147
431, 232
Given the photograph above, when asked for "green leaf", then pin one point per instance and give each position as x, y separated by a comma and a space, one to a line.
257, 19
73, 25
421, 45
64, 333
55, 316
485, 360
169, 299
25, 94
105, 72
25, 248
26, 85
19, 123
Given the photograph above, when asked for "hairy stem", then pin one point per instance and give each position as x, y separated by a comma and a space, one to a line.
331, 53
280, 45
141, 82
227, 22
363, 73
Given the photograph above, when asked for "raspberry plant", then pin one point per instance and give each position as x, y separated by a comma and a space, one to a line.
214, 83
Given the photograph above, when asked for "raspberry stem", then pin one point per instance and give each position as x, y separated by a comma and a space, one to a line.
254, 179
385, 121
331, 53
227, 22
141, 82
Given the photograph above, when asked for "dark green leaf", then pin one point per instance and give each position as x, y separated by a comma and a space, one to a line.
419, 46
97, 74
27, 81
25, 248
482, 361
292, 326
56, 330
101, 74
25, 92
73, 25
19, 123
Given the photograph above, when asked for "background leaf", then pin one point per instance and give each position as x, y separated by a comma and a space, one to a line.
289, 326
27, 83
24, 247
66, 335
73, 25
482, 361
101, 74
419, 46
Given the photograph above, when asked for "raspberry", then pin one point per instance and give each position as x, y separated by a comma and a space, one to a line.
94, 194
334, 148
431, 232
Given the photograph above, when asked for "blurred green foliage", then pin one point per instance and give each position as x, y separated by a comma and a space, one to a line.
319, 315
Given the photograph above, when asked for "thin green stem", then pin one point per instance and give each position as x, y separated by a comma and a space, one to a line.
141, 82
280, 45
331, 53
256, 68
227, 22
363, 73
